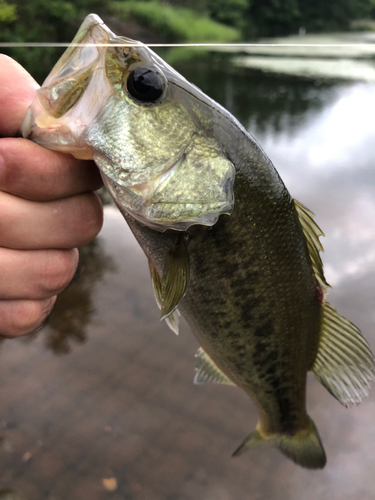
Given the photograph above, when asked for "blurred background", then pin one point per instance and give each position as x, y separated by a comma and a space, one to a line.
101, 404
174, 21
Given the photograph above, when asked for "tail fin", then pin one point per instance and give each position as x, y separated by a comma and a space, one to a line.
304, 448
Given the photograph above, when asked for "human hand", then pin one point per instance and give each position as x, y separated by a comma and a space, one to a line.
47, 210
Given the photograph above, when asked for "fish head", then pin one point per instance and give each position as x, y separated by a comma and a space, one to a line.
113, 100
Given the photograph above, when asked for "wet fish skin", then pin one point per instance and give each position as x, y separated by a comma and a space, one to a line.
225, 241
239, 300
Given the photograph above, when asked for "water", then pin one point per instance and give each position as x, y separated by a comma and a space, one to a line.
103, 398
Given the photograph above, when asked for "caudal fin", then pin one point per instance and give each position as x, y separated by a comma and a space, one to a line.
304, 448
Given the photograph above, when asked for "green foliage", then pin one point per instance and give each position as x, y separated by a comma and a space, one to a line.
8, 12
282, 17
176, 24
179, 56
191, 21
42, 21
255, 18
334, 15
229, 12
272, 17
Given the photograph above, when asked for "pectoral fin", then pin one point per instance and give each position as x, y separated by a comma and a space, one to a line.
207, 371
176, 277
173, 320
344, 363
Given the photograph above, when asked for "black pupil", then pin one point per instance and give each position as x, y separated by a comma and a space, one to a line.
145, 84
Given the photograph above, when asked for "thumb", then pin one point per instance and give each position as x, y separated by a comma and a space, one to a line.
17, 91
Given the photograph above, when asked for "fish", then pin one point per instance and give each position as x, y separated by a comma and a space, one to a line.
227, 245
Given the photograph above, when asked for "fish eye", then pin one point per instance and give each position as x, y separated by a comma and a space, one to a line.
145, 84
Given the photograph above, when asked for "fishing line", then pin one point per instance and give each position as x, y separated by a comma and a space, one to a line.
197, 45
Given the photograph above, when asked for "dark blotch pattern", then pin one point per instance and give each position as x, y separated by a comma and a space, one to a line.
252, 298
267, 362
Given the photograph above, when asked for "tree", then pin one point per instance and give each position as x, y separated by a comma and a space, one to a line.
41, 21
7, 12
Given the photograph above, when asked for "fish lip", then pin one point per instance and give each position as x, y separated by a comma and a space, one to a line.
27, 124
31, 130
50, 136
93, 20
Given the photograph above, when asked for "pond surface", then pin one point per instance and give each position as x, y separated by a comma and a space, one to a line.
101, 403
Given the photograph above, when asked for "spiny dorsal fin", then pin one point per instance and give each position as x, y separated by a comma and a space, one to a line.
312, 233
344, 363
173, 320
176, 277
207, 371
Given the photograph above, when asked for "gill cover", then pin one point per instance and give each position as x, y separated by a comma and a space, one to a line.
113, 100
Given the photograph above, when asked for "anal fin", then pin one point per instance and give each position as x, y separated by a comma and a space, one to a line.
207, 371
344, 363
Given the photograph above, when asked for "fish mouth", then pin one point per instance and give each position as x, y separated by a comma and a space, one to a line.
62, 108
40, 128
46, 131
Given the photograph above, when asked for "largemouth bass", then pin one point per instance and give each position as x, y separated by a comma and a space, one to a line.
226, 243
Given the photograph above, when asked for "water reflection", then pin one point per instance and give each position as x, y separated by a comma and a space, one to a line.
266, 101
75, 306
328, 164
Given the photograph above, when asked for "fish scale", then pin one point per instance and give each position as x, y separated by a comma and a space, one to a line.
227, 245
261, 319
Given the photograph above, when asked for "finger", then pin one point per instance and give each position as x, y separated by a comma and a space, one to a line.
46, 175
35, 274
32, 225
17, 91
21, 317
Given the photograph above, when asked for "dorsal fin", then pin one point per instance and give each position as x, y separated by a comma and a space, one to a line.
207, 371
312, 233
344, 363
173, 320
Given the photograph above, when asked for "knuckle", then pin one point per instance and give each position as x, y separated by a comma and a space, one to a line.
22, 317
92, 217
59, 271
